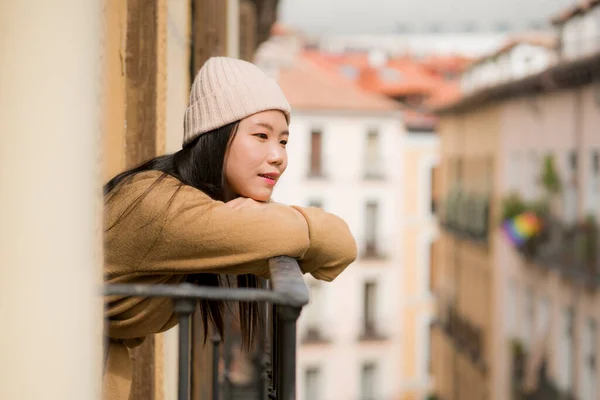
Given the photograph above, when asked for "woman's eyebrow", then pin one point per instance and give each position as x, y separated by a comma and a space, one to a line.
270, 127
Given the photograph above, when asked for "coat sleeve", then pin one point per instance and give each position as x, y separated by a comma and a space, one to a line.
179, 229
332, 246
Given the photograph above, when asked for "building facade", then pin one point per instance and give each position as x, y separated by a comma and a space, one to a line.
526, 144
344, 158
419, 232
347, 155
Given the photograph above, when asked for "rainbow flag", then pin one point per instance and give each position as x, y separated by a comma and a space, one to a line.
522, 227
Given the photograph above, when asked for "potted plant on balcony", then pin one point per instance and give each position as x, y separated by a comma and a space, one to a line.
549, 178
551, 184
512, 205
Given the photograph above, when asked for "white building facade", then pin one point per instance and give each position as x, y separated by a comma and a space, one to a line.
350, 334
365, 335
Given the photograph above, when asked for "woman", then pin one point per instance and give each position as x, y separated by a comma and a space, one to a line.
206, 210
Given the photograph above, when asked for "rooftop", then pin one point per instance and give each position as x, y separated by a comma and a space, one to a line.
309, 85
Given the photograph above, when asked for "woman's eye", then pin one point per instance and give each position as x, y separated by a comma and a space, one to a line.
261, 135
283, 142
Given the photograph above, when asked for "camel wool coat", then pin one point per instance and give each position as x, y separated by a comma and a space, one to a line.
177, 230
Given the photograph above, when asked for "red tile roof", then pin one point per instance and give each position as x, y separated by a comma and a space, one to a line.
312, 85
446, 94
397, 78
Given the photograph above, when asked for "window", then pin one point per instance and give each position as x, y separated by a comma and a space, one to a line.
425, 370
533, 175
565, 348
372, 216
369, 309
570, 190
318, 203
514, 171
313, 311
573, 162
529, 316
372, 159
316, 156
367, 381
312, 377
542, 318
429, 358
590, 351
435, 171
593, 186
512, 308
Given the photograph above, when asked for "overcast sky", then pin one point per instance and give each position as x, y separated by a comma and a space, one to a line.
387, 16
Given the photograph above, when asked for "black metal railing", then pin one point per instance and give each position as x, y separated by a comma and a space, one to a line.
467, 338
572, 250
543, 389
466, 215
284, 298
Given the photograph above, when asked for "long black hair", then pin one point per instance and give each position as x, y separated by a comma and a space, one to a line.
199, 164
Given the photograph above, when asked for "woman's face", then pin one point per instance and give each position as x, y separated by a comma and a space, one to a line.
257, 157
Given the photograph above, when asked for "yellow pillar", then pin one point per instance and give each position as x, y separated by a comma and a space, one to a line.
50, 258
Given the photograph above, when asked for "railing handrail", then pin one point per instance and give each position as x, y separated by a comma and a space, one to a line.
289, 288
287, 293
287, 281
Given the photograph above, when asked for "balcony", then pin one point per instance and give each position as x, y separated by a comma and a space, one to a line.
467, 338
571, 250
521, 385
372, 251
370, 333
466, 215
314, 335
276, 362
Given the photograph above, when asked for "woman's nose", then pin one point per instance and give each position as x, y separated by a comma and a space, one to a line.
276, 154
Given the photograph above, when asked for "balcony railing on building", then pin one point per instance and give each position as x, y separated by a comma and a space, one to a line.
466, 214
525, 387
275, 363
573, 250
466, 337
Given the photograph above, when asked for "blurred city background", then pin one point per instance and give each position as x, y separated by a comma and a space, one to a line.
460, 140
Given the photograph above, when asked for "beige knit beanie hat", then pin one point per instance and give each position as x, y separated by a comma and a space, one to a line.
227, 90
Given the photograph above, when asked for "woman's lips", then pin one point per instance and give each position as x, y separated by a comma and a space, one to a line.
270, 180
